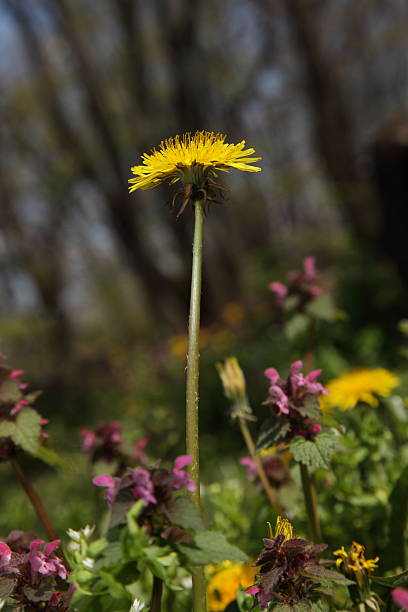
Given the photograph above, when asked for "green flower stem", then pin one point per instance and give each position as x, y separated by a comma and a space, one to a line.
35, 501
246, 434
193, 360
310, 495
156, 598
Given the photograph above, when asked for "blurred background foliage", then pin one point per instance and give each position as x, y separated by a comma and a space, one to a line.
95, 282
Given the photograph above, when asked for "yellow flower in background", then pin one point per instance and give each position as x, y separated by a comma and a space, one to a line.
223, 586
353, 563
358, 386
232, 378
200, 154
233, 313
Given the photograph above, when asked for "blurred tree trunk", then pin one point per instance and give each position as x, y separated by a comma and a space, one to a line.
125, 217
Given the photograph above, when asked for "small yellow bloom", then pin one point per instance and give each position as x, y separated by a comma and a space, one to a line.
232, 378
191, 155
233, 313
358, 386
223, 587
353, 563
283, 526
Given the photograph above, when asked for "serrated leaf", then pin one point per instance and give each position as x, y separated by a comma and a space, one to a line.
297, 325
392, 581
317, 453
49, 456
183, 512
9, 391
320, 606
24, 431
212, 547
322, 573
7, 585
28, 429
323, 308
310, 408
273, 431
111, 555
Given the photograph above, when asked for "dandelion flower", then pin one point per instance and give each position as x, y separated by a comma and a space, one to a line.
359, 386
224, 585
193, 159
353, 562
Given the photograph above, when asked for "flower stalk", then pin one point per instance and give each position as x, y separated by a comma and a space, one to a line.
192, 397
272, 498
310, 495
156, 598
35, 501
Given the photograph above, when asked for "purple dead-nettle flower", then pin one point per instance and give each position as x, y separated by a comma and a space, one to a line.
44, 561
400, 597
290, 397
104, 442
302, 288
5, 554
140, 455
181, 478
154, 485
275, 469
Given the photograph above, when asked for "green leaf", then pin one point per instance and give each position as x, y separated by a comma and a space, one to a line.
320, 606
24, 431
310, 408
49, 456
323, 308
273, 431
116, 590
392, 581
212, 547
322, 573
297, 325
7, 585
394, 554
316, 454
183, 512
112, 555
9, 391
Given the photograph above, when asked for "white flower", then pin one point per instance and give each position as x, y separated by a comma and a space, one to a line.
88, 531
88, 562
74, 535
137, 606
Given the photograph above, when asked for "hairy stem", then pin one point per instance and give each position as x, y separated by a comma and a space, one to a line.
156, 598
193, 360
273, 500
35, 501
310, 495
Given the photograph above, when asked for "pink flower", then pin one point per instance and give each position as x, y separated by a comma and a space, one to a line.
18, 406
250, 465
400, 597
309, 267
280, 290
253, 590
140, 455
107, 481
5, 554
143, 487
15, 373
43, 561
88, 439
182, 479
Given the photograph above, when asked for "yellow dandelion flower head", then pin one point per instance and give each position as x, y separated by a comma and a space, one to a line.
232, 378
223, 586
354, 563
364, 385
201, 153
